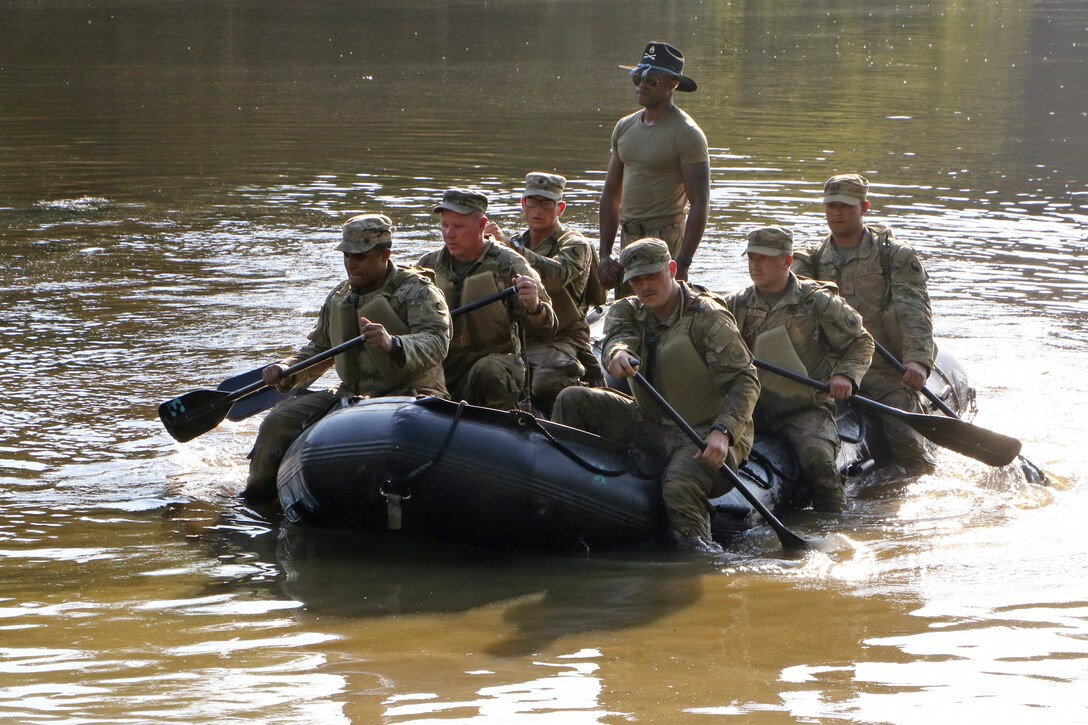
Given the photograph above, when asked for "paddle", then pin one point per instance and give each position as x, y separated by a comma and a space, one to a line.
199, 411
1031, 471
255, 403
789, 539
958, 435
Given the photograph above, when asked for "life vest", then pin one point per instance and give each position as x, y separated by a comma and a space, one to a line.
483, 331
687, 384
344, 325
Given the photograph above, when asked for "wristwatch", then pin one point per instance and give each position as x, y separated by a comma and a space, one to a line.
721, 428
398, 347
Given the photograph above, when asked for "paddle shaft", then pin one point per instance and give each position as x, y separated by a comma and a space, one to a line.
901, 368
1033, 472
966, 438
176, 411
789, 539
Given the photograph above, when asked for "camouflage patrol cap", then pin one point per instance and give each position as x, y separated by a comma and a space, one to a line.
646, 256
846, 189
462, 201
544, 185
363, 232
770, 241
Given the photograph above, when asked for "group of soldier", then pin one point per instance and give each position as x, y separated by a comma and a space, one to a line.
818, 310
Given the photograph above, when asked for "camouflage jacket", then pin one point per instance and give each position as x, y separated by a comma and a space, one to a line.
886, 283
632, 328
419, 308
824, 331
503, 264
563, 261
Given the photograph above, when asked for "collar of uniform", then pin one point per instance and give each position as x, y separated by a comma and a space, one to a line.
791, 294
551, 241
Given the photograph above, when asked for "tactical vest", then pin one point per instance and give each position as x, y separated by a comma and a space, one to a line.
483, 331
687, 384
344, 325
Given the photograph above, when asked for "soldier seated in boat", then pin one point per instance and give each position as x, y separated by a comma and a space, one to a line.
405, 321
806, 327
691, 352
484, 365
884, 280
567, 264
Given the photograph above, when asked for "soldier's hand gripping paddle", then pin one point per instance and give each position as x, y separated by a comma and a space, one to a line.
197, 412
789, 539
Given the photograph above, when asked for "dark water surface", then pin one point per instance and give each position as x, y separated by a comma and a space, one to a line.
172, 176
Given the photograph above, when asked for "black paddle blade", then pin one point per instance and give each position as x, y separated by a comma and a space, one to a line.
194, 413
253, 404
993, 449
968, 439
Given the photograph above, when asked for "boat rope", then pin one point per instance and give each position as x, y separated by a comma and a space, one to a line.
441, 449
757, 457
529, 420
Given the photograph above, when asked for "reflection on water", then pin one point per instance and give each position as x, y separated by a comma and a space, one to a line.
170, 184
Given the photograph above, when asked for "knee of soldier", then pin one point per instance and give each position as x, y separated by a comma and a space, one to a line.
568, 403
494, 368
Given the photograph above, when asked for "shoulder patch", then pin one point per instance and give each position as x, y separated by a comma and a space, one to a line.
738, 353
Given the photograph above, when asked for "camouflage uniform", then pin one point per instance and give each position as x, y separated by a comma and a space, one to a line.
828, 337
492, 377
563, 261
686, 483
414, 366
884, 280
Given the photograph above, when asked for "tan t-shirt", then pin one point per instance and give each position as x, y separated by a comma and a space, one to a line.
652, 156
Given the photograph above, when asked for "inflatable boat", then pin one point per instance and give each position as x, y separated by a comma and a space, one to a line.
432, 467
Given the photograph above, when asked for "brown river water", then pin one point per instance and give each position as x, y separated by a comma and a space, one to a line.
172, 176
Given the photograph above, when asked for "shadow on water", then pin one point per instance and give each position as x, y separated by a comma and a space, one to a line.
355, 574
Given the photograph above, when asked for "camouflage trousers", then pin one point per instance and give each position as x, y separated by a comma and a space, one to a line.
814, 437
686, 483
668, 229
279, 428
906, 446
554, 366
495, 381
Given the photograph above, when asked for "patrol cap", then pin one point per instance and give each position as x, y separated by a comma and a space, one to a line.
770, 241
462, 201
846, 188
547, 186
363, 232
646, 256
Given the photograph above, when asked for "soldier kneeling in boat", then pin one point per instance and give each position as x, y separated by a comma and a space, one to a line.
567, 264
803, 326
690, 350
405, 321
484, 365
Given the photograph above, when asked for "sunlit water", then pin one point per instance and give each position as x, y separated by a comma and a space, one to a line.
170, 186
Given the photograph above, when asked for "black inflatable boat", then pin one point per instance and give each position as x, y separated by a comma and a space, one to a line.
443, 469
